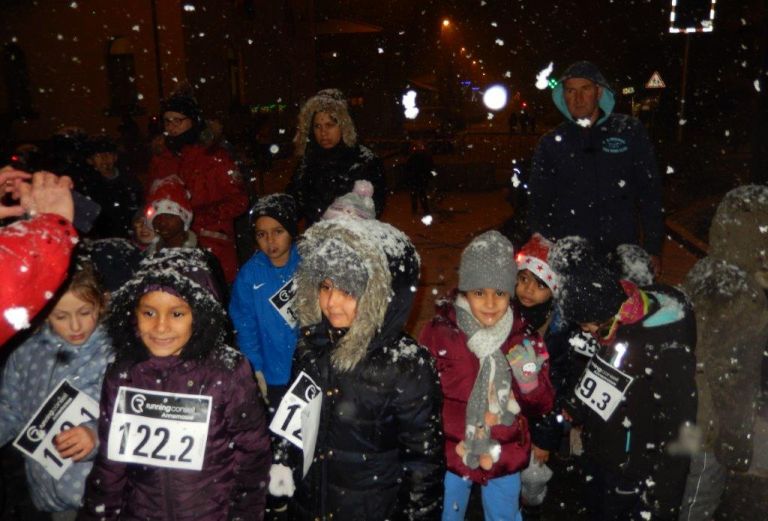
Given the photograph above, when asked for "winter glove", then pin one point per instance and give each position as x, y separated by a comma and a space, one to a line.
526, 364
281, 481
262, 385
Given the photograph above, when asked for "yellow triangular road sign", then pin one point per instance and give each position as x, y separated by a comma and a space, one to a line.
655, 82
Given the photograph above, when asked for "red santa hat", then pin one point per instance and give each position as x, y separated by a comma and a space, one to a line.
169, 195
533, 257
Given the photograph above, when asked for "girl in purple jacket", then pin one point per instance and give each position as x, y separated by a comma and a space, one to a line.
182, 429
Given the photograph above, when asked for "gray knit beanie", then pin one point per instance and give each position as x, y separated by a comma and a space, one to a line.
488, 262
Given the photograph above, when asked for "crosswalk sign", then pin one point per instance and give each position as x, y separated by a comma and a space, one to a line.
655, 82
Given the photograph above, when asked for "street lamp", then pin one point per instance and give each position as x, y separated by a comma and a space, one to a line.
446, 22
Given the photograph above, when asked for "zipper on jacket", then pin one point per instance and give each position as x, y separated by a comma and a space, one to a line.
168, 501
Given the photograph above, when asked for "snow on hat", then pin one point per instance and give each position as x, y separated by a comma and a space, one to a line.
533, 257
589, 291
336, 260
488, 262
281, 207
333, 103
633, 263
169, 195
357, 203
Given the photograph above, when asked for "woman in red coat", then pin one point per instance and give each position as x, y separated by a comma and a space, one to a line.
215, 187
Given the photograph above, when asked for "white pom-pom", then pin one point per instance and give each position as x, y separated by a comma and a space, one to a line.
281, 481
363, 187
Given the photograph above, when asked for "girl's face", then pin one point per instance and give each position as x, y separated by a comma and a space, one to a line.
338, 306
144, 233
74, 319
488, 305
531, 291
326, 129
164, 323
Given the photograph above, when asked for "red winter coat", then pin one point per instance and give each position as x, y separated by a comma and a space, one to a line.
217, 196
34, 255
458, 368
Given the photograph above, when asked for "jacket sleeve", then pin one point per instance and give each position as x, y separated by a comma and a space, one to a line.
35, 257
674, 371
244, 318
648, 195
541, 186
295, 186
420, 440
103, 497
226, 195
12, 384
248, 431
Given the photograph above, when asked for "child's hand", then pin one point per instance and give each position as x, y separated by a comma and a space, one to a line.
75, 443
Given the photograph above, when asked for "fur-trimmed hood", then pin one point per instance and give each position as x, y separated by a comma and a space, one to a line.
392, 267
186, 273
332, 102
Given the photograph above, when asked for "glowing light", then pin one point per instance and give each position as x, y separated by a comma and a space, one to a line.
409, 103
495, 97
446, 22
542, 78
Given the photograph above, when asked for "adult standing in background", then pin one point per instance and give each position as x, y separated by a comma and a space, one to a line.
595, 175
215, 186
330, 158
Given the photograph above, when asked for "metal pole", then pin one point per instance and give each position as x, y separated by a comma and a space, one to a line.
156, 35
683, 84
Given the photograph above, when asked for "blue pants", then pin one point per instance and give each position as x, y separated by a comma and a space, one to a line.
500, 498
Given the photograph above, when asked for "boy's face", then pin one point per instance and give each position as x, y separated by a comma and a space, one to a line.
530, 290
104, 162
164, 322
169, 227
488, 305
273, 240
74, 319
338, 306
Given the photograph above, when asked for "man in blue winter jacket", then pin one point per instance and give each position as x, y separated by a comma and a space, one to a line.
595, 175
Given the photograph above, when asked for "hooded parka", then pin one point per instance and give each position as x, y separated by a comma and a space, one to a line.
379, 452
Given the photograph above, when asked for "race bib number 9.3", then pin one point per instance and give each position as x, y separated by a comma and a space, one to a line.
159, 429
64, 408
602, 387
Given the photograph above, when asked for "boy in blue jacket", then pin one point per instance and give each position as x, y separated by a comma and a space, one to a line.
262, 304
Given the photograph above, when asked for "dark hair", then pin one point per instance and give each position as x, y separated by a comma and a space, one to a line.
189, 278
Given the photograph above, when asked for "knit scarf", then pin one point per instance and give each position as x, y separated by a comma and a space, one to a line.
632, 310
484, 342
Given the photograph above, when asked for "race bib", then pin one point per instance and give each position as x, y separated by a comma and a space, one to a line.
602, 387
287, 421
584, 344
282, 301
159, 429
64, 408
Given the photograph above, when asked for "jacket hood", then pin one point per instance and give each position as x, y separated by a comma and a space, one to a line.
184, 272
738, 231
587, 70
332, 102
391, 267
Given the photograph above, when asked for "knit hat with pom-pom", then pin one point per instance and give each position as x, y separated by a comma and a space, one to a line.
358, 203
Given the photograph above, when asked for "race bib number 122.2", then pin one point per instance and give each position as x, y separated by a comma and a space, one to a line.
159, 429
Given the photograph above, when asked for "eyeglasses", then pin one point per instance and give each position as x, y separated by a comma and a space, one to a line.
174, 121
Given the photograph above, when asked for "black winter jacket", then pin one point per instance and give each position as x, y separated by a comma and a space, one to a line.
633, 443
323, 175
379, 453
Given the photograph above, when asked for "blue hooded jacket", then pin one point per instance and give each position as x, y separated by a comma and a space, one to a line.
262, 311
597, 181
